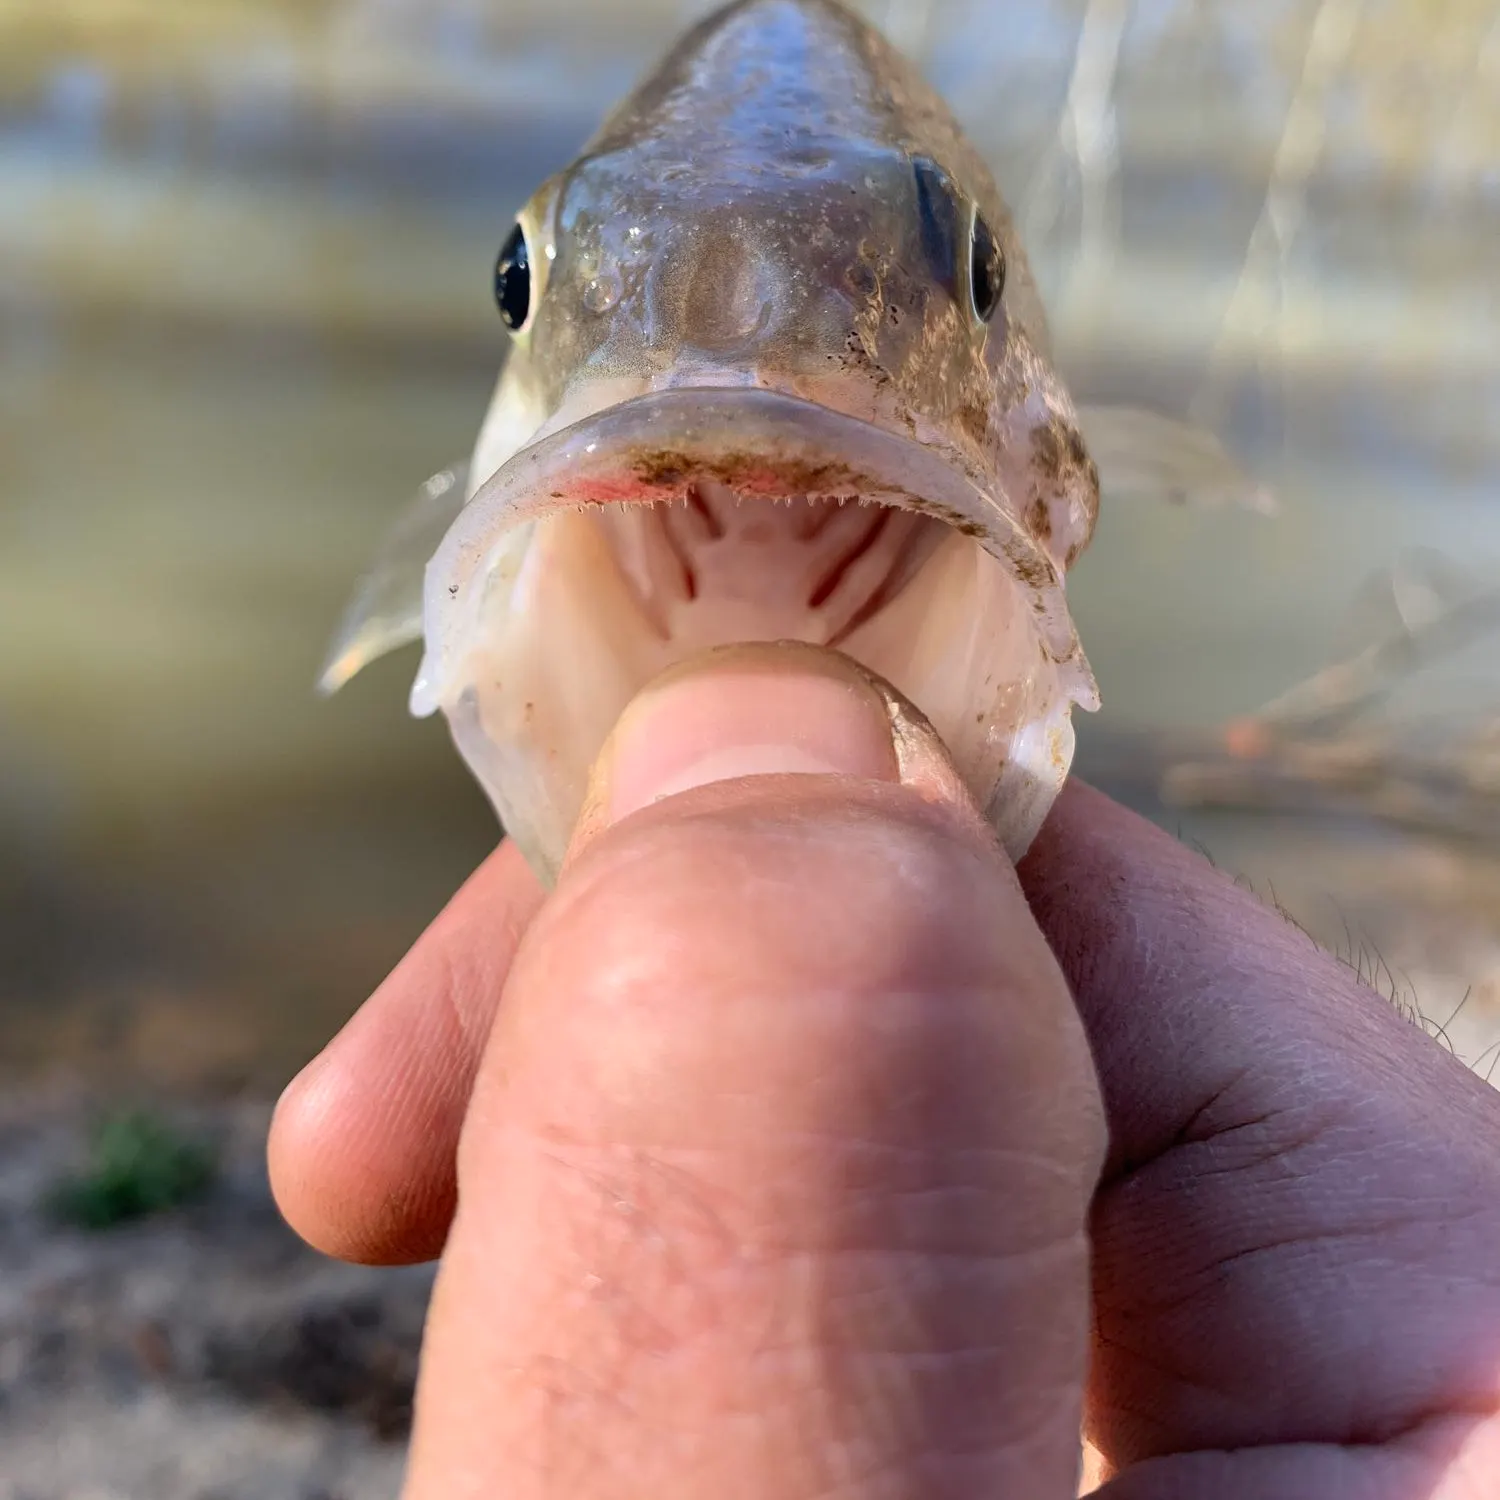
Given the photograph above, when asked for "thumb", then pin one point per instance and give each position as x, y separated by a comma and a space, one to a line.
777, 1170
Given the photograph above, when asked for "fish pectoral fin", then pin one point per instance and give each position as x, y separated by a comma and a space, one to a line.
1401, 620
386, 610
1146, 455
1421, 591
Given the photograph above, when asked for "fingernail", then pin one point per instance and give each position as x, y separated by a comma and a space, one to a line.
761, 710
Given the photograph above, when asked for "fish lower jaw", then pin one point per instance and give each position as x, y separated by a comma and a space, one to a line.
595, 602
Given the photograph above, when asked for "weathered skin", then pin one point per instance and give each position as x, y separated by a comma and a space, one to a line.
770, 242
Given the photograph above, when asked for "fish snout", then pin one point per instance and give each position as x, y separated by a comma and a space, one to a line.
717, 293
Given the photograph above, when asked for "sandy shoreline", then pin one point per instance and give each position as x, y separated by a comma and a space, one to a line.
205, 1354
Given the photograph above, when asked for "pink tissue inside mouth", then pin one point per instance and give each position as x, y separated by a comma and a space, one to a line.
721, 564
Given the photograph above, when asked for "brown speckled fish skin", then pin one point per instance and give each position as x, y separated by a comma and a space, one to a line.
787, 203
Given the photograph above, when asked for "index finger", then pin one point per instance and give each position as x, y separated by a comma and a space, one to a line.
362, 1144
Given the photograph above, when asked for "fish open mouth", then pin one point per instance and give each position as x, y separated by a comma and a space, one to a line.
689, 518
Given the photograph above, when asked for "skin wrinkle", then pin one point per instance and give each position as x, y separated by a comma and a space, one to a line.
1324, 1391
1199, 1125
880, 826
632, 1192
890, 1375
457, 980
1251, 1143
1320, 1472
1296, 1472
1266, 1174
896, 1153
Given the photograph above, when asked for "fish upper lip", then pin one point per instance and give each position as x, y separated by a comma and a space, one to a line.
717, 431
651, 447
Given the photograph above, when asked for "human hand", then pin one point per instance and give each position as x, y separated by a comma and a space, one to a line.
776, 1161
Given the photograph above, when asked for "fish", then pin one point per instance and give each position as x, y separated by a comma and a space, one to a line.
778, 368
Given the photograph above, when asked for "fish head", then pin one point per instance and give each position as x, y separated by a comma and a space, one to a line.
779, 370
787, 206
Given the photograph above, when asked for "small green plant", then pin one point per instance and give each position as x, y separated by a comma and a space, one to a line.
139, 1165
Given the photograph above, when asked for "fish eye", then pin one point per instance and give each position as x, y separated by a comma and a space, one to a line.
513, 281
986, 269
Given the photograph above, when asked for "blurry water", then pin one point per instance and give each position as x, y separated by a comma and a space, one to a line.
244, 309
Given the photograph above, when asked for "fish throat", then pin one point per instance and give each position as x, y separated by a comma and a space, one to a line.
719, 567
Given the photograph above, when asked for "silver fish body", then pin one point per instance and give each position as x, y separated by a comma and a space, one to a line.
778, 370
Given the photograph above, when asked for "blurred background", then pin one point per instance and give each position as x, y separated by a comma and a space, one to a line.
245, 257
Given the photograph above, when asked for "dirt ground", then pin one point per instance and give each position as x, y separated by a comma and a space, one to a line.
205, 1354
